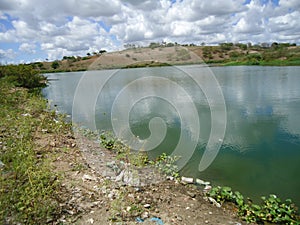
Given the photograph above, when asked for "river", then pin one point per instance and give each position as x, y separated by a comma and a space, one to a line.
246, 118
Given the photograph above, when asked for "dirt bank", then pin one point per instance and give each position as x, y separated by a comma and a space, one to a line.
93, 193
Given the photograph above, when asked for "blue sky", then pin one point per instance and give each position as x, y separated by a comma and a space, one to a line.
36, 30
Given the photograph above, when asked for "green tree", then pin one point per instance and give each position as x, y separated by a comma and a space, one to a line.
55, 65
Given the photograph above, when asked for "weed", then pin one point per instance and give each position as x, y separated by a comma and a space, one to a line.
28, 188
164, 163
272, 209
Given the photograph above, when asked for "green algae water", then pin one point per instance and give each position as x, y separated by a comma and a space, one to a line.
260, 152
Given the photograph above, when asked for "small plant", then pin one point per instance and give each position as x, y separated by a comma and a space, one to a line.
123, 207
167, 165
164, 163
107, 140
272, 209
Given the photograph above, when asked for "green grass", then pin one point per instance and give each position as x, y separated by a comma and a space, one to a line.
28, 187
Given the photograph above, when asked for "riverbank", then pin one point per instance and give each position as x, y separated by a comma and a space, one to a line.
51, 174
47, 176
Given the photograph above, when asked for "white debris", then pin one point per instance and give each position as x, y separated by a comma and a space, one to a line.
91, 221
147, 206
87, 177
207, 188
214, 202
202, 182
188, 180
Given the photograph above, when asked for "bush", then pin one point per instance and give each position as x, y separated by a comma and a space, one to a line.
271, 210
55, 65
23, 76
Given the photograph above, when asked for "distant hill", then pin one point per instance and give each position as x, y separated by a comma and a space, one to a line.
224, 54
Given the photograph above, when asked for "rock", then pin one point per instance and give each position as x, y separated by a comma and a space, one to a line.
131, 178
187, 180
87, 177
113, 165
52, 144
70, 212
145, 215
191, 194
120, 176
91, 221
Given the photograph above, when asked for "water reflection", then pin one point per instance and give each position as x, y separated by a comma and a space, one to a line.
261, 148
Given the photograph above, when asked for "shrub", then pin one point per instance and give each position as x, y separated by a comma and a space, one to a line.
55, 65
23, 76
271, 210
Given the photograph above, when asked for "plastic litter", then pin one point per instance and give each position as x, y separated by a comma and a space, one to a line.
157, 220
153, 219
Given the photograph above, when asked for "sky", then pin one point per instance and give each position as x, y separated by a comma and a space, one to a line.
36, 30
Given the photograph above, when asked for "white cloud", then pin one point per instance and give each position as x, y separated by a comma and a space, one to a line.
28, 48
6, 55
73, 27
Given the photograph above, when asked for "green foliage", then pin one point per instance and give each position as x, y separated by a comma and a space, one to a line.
166, 164
123, 207
242, 46
170, 44
108, 140
28, 188
235, 54
226, 46
153, 45
22, 76
55, 65
271, 210
70, 58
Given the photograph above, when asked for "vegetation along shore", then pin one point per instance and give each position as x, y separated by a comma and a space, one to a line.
52, 174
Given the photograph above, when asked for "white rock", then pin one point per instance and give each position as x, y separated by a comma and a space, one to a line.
131, 178
120, 176
145, 215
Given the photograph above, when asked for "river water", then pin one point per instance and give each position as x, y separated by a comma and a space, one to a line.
183, 110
